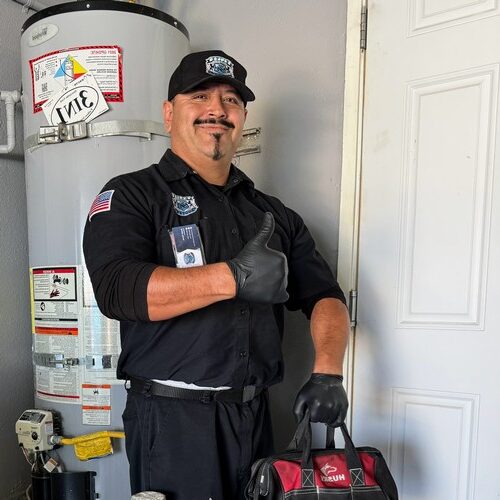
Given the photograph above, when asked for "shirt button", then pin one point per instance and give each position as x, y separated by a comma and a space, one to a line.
221, 198
234, 231
243, 354
235, 181
243, 311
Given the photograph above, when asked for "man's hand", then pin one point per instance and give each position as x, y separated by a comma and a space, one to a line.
261, 273
325, 398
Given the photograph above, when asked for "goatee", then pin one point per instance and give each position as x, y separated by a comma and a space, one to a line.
217, 154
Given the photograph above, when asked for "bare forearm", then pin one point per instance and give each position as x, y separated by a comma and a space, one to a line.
330, 331
172, 292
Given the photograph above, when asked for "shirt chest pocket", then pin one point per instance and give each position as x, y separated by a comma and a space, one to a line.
165, 246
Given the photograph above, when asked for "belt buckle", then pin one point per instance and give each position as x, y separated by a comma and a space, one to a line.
146, 389
207, 397
248, 393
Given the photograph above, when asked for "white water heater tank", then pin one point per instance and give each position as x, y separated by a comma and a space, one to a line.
125, 54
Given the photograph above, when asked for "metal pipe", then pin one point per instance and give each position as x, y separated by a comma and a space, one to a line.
35, 5
10, 99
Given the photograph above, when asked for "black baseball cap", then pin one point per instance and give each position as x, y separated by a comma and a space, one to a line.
209, 65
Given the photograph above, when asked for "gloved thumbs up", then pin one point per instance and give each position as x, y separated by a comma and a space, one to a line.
266, 230
261, 273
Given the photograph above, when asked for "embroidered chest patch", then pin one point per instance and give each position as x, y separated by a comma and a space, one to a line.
184, 205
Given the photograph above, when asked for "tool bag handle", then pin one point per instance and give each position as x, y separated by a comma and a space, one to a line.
330, 437
302, 440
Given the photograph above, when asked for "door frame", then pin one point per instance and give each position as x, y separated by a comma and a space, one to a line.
352, 140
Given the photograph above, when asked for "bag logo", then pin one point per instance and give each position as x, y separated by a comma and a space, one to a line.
219, 66
184, 205
329, 475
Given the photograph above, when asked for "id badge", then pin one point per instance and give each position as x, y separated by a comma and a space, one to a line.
187, 246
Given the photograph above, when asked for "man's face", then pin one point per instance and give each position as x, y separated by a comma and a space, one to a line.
207, 121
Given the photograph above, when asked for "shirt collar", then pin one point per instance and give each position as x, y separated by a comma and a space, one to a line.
174, 168
236, 176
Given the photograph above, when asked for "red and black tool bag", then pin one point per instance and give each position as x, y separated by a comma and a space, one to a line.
331, 473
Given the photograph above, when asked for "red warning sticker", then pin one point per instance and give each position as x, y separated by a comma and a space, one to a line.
52, 72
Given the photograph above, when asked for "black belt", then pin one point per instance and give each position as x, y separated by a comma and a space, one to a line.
148, 387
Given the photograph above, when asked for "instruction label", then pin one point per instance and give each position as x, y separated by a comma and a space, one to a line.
55, 311
73, 343
53, 71
96, 404
101, 339
56, 333
59, 385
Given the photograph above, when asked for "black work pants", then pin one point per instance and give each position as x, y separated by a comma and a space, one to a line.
194, 450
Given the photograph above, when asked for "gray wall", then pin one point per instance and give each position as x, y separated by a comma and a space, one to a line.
294, 52
16, 387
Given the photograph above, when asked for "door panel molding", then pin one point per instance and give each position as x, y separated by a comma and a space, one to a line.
442, 426
450, 221
425, 16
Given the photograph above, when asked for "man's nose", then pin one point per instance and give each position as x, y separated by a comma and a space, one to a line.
216, 107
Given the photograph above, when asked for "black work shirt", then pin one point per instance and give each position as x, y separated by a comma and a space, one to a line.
228, 343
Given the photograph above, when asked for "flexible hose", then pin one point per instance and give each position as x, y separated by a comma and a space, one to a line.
97, 444
93, 436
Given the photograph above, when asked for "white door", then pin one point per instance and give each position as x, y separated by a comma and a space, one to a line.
427, 346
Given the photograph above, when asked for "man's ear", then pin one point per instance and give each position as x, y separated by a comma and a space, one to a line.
167, 115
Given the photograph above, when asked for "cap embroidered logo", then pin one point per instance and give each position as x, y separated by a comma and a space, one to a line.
219, 66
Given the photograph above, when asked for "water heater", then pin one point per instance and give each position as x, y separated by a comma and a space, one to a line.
94, 75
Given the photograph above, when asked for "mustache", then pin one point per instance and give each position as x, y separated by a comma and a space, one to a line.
213, 121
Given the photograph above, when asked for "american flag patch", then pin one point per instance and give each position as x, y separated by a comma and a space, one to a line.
102, 203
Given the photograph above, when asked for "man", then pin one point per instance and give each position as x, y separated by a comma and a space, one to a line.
197, 265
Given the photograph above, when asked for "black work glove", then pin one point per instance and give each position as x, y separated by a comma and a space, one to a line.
261, 273
326, 399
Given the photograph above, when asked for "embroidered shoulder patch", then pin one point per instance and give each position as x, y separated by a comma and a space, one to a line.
184, 205
102, 203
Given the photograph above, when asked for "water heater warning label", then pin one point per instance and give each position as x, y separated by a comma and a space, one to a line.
73, 342
56, 342
52, 72
96, 404
54, 283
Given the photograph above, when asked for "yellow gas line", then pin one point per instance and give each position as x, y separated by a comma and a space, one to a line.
97, 444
